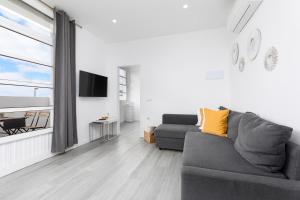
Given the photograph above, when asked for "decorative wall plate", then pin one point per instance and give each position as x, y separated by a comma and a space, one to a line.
254, 43
242, 64
271, 59
235, 53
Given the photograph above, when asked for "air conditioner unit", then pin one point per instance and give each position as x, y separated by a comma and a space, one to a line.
242, 12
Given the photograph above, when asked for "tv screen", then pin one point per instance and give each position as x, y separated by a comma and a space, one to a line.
92, 85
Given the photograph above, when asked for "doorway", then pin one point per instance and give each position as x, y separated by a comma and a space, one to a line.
129, 95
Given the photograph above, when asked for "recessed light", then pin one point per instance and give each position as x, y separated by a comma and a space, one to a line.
114, 21
185, 6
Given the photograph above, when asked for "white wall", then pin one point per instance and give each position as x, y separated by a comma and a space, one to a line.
172, 71
123, 102
122, 111
134, 87
273, 95
91, 57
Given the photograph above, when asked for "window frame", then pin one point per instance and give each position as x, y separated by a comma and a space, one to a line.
31, 34
122, 85
19, 29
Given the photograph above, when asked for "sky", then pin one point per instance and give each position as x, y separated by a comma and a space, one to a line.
20, 46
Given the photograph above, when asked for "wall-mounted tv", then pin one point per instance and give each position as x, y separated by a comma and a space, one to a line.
92, 85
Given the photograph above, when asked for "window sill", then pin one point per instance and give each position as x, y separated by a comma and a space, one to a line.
22, 136
7, 110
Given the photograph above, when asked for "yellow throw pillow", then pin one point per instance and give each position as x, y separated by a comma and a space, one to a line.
215, 122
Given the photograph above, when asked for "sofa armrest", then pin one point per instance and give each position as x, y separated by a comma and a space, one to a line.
179, 119
198, 183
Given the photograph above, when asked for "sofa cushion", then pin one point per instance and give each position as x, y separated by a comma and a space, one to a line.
174, 130
213, 152
234, 119
262, 143
179, 119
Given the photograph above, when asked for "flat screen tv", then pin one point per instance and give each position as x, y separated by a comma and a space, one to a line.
92, 85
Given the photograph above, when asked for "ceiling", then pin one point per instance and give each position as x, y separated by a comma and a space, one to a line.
138, 19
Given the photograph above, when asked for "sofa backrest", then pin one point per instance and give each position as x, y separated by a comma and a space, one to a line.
292, 163
234, 119
179, 119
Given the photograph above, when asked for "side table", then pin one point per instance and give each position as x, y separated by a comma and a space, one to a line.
108, 129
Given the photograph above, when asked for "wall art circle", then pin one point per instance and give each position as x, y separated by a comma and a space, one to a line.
242, 64
271, 59
235, 53
254, 43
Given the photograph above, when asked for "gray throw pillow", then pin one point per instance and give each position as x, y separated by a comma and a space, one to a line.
233, 121
262, 143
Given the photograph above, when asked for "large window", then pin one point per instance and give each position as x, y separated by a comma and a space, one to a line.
26, 69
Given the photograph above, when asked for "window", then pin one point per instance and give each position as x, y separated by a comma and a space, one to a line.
18, 46
26, 69
17, 70
123, 85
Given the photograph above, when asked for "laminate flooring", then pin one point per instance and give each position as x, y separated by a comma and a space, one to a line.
125, 168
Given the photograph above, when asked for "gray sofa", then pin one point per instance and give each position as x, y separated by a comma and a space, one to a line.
212, 169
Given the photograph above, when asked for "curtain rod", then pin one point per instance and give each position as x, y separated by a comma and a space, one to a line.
78, 25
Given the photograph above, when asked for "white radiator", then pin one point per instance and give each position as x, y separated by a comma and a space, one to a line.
19, 151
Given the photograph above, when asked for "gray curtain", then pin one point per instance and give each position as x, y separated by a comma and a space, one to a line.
65, 126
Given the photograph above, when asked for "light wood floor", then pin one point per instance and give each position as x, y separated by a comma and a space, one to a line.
124, 168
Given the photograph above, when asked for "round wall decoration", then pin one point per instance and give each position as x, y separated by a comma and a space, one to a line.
242, 64
271, 59
235, 53
254, 43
